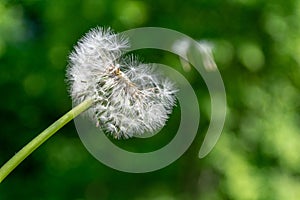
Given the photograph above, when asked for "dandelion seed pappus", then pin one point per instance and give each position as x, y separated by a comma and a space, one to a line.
126, 105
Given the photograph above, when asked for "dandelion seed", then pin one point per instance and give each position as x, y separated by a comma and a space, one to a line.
130, 98
205, 48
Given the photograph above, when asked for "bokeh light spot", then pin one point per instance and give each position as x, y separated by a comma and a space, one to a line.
57, 55
132, 13
251, 56
223, 52
34, 84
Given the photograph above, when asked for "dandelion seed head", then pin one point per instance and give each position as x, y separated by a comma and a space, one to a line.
130, 98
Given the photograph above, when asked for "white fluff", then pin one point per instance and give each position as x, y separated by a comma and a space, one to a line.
130, 98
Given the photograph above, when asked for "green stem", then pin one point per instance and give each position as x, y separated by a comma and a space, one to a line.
11, 164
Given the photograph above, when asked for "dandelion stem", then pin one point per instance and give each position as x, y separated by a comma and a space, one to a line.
11, 164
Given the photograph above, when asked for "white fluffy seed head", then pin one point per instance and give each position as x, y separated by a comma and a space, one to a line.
129, 97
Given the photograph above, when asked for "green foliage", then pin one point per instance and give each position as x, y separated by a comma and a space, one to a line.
257, 48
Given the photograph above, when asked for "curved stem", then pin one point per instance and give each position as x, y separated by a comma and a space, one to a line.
11, 164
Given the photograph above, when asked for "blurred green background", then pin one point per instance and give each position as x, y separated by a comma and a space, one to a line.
257, 47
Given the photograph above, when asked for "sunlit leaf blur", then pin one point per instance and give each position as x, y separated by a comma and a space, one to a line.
257, 50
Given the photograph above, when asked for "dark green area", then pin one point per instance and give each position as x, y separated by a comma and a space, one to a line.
257, 49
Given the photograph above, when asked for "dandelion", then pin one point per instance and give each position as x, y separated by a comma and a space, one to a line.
121, 95
130, 98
